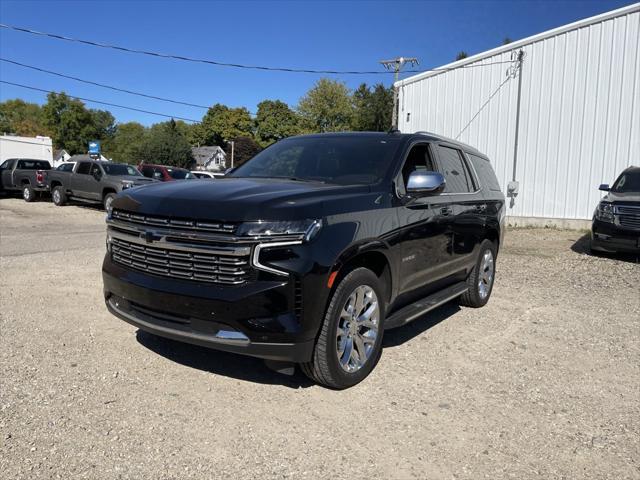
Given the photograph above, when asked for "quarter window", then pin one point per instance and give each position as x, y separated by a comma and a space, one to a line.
455, 171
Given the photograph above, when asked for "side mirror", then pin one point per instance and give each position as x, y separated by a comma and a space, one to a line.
423, 183
604, 187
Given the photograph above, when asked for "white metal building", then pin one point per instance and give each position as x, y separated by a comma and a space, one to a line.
579, 121
38, 148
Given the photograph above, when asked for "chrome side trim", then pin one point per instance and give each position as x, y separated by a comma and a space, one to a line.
255, 259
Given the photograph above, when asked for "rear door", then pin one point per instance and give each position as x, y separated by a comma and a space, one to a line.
81, 180
468, 207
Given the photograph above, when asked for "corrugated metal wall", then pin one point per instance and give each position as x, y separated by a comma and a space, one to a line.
579, 116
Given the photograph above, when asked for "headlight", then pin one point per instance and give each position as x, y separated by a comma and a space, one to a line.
307, 229
604, 212
127, 184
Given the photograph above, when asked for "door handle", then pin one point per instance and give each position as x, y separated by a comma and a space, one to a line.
446, 211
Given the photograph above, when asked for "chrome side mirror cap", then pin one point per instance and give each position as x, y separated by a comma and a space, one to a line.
422, 183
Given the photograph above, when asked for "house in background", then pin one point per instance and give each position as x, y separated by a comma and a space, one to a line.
60, 156
213, 159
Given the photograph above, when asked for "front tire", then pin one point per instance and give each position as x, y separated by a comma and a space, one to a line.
27, 193
108, 198
480, 280
350, 340
58, 196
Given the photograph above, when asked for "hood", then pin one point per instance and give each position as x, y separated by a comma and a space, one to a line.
623, 198
238, 199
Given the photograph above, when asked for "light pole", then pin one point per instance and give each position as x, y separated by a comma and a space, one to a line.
396, 64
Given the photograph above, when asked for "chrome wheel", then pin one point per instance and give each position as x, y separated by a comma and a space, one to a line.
357, 328
485, 278
56, 196
26, 193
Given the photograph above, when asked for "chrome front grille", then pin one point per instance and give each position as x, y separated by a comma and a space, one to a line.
176, 223
202, 266
628, 216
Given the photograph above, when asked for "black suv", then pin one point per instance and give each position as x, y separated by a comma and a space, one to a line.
309, 251
616, 220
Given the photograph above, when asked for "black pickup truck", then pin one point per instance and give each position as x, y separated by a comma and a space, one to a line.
24, 174
93, 181
309, 251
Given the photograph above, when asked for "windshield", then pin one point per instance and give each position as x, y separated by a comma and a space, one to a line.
344, 160
627, 182
120, 169
180, 174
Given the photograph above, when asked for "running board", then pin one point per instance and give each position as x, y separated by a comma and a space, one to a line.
424, 305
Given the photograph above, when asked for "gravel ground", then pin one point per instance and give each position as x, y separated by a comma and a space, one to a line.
544, 382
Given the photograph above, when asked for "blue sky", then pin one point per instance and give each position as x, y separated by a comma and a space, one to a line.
317, 35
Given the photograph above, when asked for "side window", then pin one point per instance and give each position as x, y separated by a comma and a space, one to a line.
485, 172
455, 171
84, 168
7, 164
95, 169
157, 173
418, 159
147, 172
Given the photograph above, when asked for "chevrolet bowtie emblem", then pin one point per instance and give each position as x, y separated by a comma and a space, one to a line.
150, 236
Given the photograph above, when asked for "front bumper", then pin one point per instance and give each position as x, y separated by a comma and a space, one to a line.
608, 237
259, 319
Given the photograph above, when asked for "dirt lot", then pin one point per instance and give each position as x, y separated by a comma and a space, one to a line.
542, 383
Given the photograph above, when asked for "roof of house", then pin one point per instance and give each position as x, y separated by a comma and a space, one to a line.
202, 155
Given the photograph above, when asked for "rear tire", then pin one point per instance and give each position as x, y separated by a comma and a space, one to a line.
350, 341
27, 193
481, 279
58, 196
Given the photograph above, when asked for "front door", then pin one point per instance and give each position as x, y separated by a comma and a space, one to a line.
6, 169
81, 180
425, 230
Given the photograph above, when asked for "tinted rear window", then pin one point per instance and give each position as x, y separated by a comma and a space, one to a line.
484, 170
34, 165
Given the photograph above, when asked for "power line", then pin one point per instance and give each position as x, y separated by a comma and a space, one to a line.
110, 87
495, 92
225, 64
102, 103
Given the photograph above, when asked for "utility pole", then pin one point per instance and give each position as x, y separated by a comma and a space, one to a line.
396, 65
233, 145
513, 186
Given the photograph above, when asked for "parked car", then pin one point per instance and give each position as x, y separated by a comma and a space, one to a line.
616, 220
310, 250
203, 174
165, 173
93, 181
26, 175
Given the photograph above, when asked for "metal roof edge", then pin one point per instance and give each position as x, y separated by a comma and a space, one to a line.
633, 8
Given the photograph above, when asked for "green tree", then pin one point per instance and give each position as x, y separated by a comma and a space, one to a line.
506, 41
372, 109
73, 125
165, 144
274, 121
461, 55
244, 148
327, 107
127, 143
221, 124
22, 118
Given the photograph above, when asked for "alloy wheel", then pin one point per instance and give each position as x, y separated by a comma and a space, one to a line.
485, 279
357, 328
56, 196
26, 193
